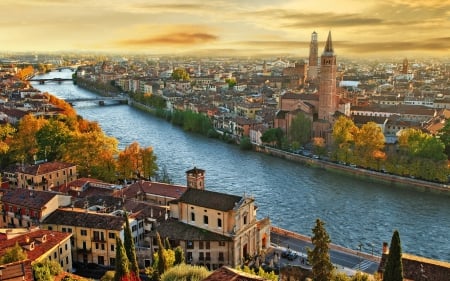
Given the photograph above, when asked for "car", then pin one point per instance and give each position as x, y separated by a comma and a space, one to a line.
316, 156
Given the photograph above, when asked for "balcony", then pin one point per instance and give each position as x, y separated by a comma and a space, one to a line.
84, 251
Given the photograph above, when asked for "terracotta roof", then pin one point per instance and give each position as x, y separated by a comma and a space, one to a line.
155, 188
81, 218
228, 274
53, 238
47, 167
176, 230
210, 199
17, 271
30, 198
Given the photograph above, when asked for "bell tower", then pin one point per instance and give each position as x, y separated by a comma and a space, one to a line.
313, 67
405, 66
196, 178
327, 82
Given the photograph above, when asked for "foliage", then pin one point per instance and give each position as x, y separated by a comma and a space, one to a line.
245, 143
167, 244
108, 276
122, 262
183, 272
137, 162
319, 257
180, 74
6, 132
179, 255
300, 129
130, 248
259, 272
13, 254
343, 136
393, 270
154, 101
46, 269
42, 273
444, 136
319, 146
273, 136
368, 140
231, 82
162, 261
51, 140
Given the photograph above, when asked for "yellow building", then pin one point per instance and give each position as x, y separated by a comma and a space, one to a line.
44, 176
215, 229
93, 234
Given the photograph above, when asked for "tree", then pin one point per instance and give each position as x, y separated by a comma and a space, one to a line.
245, 144
6, 132
393, 270
135, 162
444, 136
185, 272
179, 255
24, 143
122, 262
129, 248
368, 139
319, 257
162, 262
180, 74
273, 136
13, 254
343, 135
51, 140
300, 129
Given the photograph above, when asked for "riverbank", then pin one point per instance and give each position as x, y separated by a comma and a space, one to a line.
395, 180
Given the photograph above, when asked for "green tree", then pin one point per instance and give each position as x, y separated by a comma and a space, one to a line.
130, 248
122, 262
319, 257
444, 136
300, 129
393, 270
231, 82
273, 136
180, 74
162, 262
13, 254
42, 273
179, 255
51, 140
245, 143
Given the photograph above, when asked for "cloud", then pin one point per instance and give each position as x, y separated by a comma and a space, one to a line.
177, 38
441, 44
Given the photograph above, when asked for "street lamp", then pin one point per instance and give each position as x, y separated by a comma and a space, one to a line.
360, 259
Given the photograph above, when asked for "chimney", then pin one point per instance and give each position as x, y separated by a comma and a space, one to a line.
385, 248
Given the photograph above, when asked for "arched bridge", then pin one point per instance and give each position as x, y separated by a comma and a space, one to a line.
43, 80
99, 100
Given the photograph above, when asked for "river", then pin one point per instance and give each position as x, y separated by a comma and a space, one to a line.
292, 195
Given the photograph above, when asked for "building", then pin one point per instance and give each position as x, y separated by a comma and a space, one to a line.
42, 176
25, 208
39, 245
93, 234
313, 68
215, 229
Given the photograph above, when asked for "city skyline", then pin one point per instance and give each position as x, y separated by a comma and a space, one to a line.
228, 28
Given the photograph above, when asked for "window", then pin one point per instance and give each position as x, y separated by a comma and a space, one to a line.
208, 256
189, 257
221, 243
102, 246
189, 244
69, 230
200, 244
221, 256
67, 260
50, 227
245, 219
112, 247
63, 229
205, 219
112, 235
83, 232
96, 246
134, 228
207, 245
112, 261
219, 222
201, 256
192, 216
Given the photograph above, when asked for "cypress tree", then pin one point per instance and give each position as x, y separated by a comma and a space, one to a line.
167, 244
162, 263
393, 270
122, 263
319, 257
179, 255
129, 248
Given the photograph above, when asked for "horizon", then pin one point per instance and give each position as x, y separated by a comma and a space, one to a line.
381, 29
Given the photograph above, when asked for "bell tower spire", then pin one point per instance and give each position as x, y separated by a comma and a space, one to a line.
328, 50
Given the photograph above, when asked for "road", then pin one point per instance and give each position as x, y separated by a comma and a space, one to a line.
346, 260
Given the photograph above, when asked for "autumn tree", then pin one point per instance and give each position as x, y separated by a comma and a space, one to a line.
180, 74
343, 136
130, 248
319, 147
135, 161
368, 140
51, 140
6, 133
300, 129
393, 270
24, 145
319, 257
185, 272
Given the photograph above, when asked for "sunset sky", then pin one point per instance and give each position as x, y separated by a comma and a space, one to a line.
234, 27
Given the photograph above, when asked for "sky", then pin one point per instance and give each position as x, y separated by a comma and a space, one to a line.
360, 28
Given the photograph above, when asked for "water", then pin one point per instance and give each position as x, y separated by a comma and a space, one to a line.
292, 195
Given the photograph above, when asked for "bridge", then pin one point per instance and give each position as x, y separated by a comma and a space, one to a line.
43, 80
99, 100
